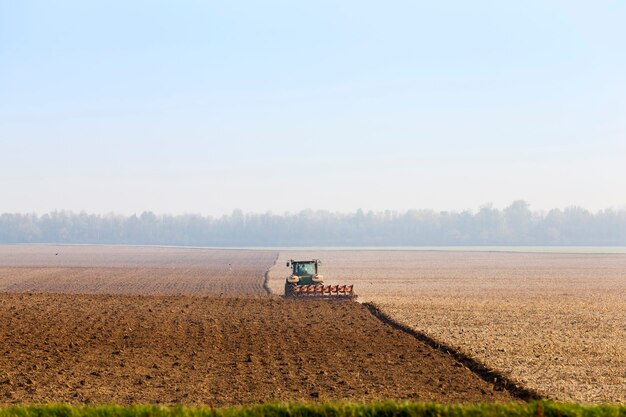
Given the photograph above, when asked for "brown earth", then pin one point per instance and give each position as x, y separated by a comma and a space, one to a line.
132, 270
216, 351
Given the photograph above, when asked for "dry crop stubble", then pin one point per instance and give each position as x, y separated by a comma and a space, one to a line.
555, 323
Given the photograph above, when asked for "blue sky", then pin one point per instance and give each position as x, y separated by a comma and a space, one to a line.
204, 107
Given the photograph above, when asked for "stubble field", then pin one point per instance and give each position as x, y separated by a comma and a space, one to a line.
555, 323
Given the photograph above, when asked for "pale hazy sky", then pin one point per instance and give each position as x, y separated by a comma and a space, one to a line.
198, 106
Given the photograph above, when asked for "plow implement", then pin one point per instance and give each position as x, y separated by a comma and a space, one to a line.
320, 291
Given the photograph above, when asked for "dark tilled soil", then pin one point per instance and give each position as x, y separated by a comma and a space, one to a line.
215, 351
132, 270
139, 281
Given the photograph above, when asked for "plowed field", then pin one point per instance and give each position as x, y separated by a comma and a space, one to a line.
132, 270
552, 322
217, 351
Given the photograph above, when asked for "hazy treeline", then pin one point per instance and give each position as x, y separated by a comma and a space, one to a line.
514, 225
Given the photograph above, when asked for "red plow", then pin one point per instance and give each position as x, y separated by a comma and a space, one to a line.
320, 291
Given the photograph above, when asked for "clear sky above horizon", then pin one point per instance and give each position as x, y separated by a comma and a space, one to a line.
204, 107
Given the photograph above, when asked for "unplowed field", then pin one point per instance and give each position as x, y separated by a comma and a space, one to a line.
132, 270
217, 351
555, 323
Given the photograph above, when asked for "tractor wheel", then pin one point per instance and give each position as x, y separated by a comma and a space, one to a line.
289, 290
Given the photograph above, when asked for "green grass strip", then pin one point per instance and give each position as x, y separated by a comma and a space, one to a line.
383, 409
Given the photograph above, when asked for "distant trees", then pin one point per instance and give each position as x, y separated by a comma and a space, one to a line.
514, 225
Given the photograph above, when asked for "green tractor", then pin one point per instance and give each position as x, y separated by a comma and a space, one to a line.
306, 283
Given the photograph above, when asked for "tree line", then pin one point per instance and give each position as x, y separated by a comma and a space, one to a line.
513, 225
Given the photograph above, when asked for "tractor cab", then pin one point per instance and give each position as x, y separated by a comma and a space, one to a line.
305, 272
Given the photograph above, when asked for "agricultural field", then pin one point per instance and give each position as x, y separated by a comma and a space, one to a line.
126, 349
552, 322
102, 324
132, 270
